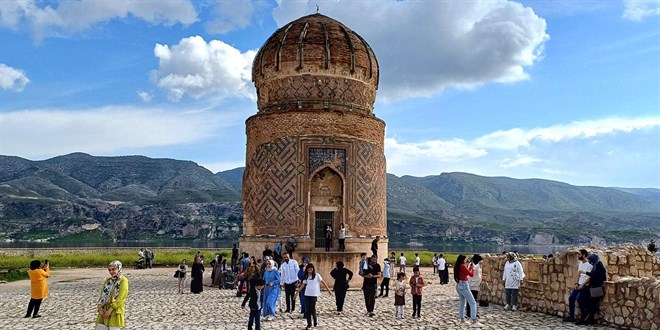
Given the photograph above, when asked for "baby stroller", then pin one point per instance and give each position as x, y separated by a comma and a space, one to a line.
140, 263
229, 281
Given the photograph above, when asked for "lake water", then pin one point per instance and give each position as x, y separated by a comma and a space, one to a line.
466, 248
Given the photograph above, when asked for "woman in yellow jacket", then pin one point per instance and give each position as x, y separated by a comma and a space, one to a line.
113, 296
38, 286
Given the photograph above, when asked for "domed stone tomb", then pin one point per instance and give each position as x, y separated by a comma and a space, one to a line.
315, 149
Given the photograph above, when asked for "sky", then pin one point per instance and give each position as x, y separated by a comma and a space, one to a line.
565, 90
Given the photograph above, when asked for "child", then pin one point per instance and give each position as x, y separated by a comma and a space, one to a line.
400, 288
416, 285
402, 263
256, 303
38, 286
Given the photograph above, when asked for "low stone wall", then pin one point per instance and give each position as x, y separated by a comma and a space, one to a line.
632, 290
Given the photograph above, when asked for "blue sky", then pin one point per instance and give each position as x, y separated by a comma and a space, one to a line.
563, 90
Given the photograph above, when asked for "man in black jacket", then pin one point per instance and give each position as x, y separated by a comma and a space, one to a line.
256, 303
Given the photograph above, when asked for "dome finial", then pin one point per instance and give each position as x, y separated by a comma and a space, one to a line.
317, 8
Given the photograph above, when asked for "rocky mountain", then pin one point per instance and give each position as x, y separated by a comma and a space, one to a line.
130, 197
136, 197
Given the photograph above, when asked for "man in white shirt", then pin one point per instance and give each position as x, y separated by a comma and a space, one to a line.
443, 272
417, 260
289, 272
583, 267
402, 263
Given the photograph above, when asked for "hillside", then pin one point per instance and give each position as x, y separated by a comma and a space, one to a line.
136, 197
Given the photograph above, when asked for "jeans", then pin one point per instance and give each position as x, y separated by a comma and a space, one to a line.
463, 290
340, 296
290, 295
511, 297
575, 294
254, 318
385, 284
310, 310
475, 294
342, 244
417, 304
369, 297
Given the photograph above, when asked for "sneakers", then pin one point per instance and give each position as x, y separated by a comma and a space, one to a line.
514, 308
506, 307
477, 325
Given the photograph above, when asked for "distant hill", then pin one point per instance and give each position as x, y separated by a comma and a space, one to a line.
135, 197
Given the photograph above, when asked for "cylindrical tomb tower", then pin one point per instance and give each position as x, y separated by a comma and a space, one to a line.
315, 149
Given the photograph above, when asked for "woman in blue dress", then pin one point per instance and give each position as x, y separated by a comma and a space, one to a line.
272, 290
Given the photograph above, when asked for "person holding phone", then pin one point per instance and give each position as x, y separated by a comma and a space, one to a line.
38, 286
183, 269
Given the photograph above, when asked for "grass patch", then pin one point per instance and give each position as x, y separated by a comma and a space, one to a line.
94, 260
14, 275
425, 258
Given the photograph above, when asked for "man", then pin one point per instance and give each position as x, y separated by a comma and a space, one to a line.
301, 277
289, 272
234, 257
364, 263
402, 263
443, 272
243, 267
291, 245
417, 260
583, 267
267, 252
370, 284
374, 246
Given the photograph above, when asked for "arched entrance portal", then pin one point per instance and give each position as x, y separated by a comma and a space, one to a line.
326, 204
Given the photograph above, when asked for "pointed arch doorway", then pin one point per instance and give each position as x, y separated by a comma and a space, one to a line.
326, 204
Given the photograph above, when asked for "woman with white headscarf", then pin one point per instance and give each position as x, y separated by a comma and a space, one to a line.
273, 279
110, 305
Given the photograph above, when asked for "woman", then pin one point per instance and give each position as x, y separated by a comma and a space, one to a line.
183, 268
38, 286
342, 276
196, 275
328, 237
215, 265
341, 236
273, 279
312, 287
475, 281
512, 276
110, 305
461, 273
587, 299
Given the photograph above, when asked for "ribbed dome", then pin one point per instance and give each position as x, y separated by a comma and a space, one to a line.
315, 63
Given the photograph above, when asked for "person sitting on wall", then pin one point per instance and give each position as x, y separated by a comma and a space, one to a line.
652, 248
582, 278
291, 245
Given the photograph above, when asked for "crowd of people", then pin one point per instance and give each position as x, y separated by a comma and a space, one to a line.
262, 280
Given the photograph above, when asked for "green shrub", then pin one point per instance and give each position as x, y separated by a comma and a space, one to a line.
14, 275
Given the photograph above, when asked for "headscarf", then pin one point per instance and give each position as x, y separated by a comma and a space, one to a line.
593, 258
512, 257
111, 284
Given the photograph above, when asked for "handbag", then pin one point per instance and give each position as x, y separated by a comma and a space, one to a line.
596, 292
177, 274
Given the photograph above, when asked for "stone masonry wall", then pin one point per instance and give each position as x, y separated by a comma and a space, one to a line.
632, 289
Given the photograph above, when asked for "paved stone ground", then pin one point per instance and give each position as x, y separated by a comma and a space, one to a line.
153, 303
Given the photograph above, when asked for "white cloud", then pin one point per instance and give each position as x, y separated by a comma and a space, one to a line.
519, 161
12, 79
443, 43
197, 68
568, 152
637, 10
145, 96
515, 138
230, 15
46, 19
46, 133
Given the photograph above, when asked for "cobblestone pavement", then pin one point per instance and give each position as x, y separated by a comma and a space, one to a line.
153, 303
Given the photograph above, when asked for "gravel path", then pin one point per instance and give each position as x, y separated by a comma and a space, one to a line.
154, 304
